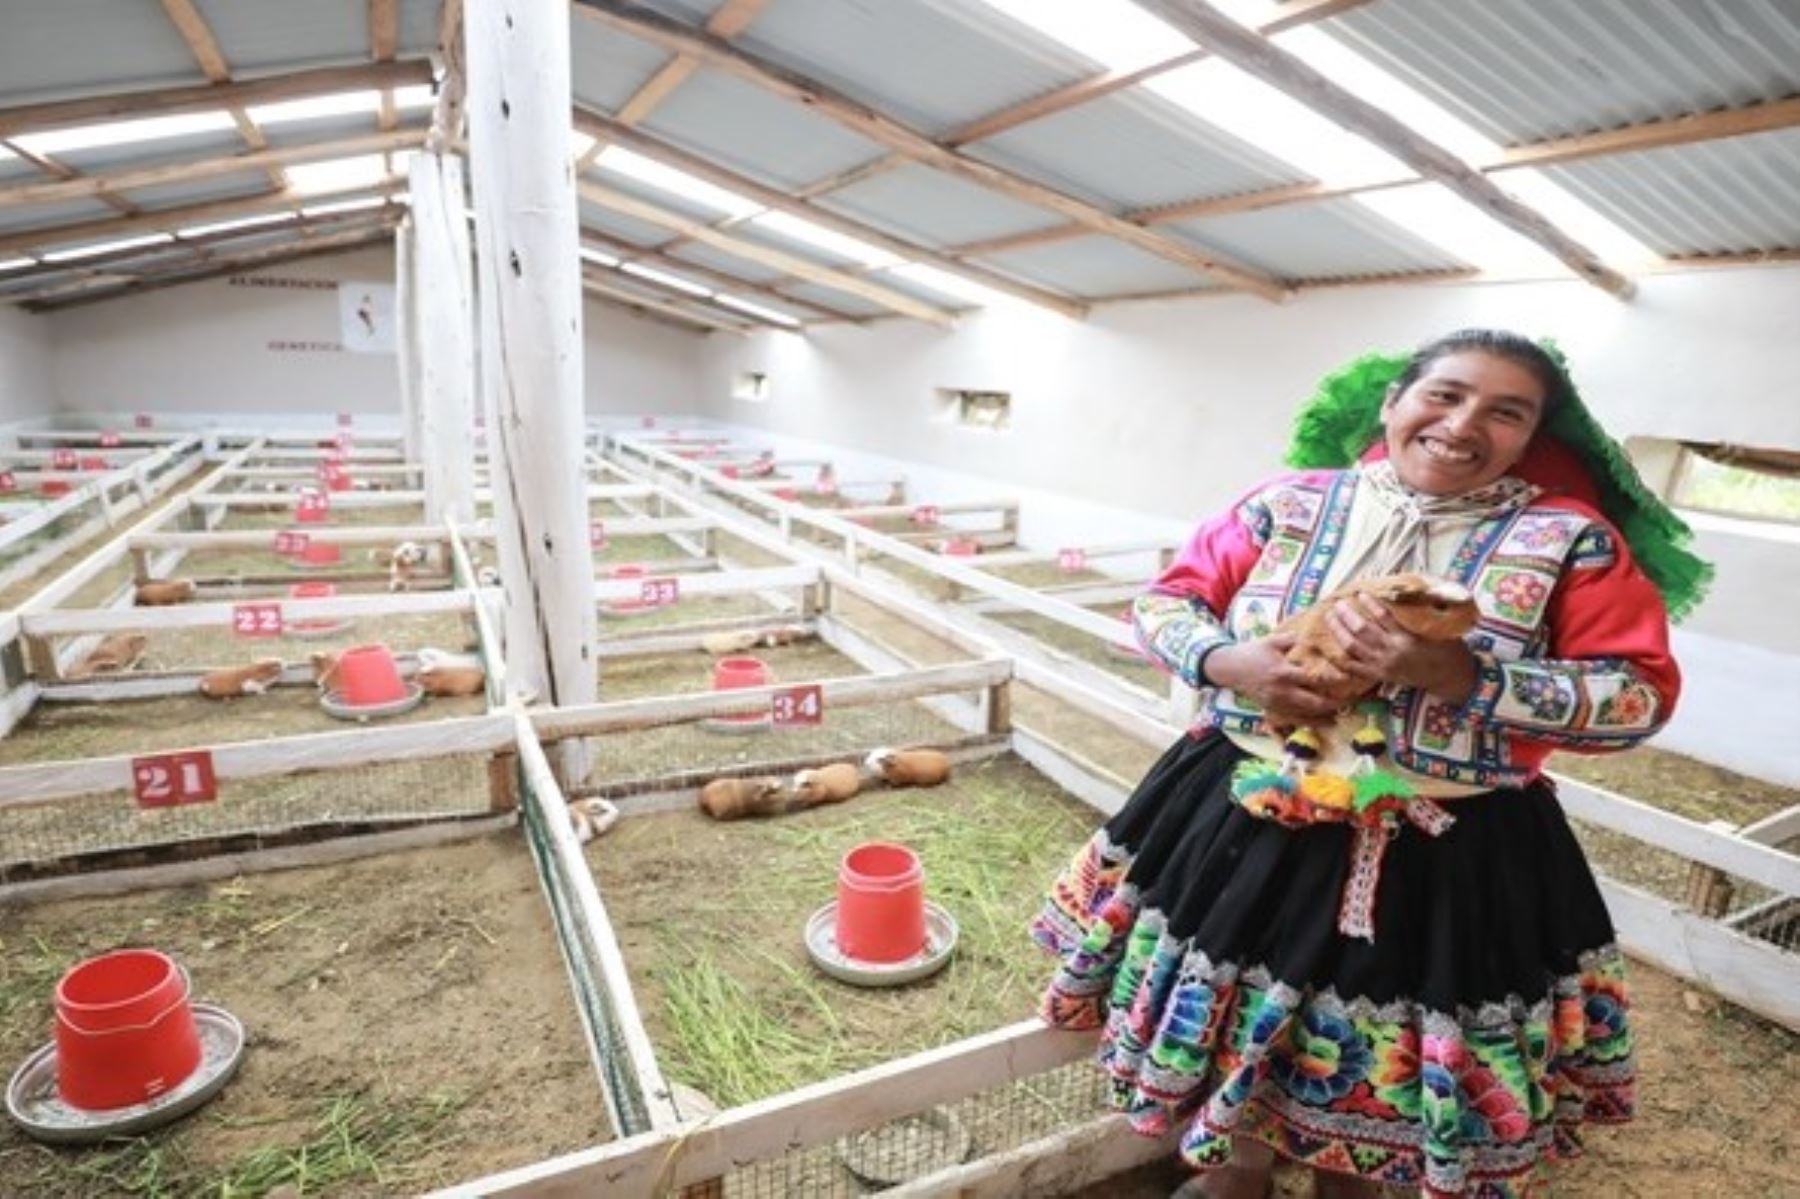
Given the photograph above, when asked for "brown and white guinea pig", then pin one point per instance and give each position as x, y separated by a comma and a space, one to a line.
592, 817
235, 681
786, 634
734, 799
908, 767
734, 641
827, 784
442, 680
324, 668
115, 652
1433, 609
160, 593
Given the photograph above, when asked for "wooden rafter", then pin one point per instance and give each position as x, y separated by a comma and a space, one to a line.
29, 241
70, 294
205, 47
384, 43
21, 195
57, 169
447, 116
297, 85
1652, 135
643, 311
730, 20
204, 244
624, 251
792, 264
668, 301
715, 52
1257, 55
1082, 91
701, 168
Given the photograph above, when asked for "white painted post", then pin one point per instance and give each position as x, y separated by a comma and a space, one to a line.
445, 349
518, 103
406, 345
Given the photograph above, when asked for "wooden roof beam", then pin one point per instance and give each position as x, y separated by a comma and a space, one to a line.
780, 260
731, 19
1292, 15
30, 241
596, 280
299, 85
69, 295
719, 54
629, 251
655, 148
21, 195
57, 169
205, 47
642, 312
384, 43
1257, 55
447, 114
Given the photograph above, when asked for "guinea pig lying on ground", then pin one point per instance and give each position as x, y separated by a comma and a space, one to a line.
828, 784
908, 767
733, 799
234, 681
1433, 609
116, 652
158, 593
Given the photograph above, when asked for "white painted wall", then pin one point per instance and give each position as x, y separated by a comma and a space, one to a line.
1162, 411
211, 348
25, 357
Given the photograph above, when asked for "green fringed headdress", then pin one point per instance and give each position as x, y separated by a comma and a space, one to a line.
1343, 419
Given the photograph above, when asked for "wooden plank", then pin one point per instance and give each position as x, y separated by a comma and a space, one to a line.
851, 692
1251, 52
256, 861
1753, 974
1099, 789
1776, 829
264, 538
1067, 1161
1674, 131
270, 89
591, 919
714, 52
648, 1165
39, 783
1729, 852
194, 616
728, 582
86, 187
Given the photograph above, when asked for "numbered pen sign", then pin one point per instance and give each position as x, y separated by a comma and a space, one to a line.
597, 535
291, 543
109, 441
313, 502
63, 459
170, 780
143, 420
8, 481
1070, 561
797, 706
926, 514
256, 620
660, 592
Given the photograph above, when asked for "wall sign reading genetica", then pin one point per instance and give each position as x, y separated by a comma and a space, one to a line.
282, 281
307, 347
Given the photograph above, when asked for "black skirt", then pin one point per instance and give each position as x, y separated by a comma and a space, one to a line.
1458, 1050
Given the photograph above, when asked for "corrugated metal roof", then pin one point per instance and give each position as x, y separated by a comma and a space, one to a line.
199, 191
72, 47
832, 298
641, 233
921, 204
606, 66
49, 215
1337, 239
258, 36
756, 133
668, 201
1732, 196
419, 26
1129, 150
731, 264
1095, 266
873, 52
1529, 70
103, 160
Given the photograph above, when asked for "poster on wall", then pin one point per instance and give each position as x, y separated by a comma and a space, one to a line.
366, 312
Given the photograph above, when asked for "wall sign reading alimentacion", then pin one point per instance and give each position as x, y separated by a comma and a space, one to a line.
365, 314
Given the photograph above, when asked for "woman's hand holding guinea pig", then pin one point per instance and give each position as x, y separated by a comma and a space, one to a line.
1261, 670
1378, 649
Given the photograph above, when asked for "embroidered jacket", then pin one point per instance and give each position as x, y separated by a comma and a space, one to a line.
1572, 648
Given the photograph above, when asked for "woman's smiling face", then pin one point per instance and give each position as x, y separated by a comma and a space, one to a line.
1463, 423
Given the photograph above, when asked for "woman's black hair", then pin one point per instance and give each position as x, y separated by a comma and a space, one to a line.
1501, 343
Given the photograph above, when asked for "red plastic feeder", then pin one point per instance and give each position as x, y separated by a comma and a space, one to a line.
321, 553
368, 678
95, 462
881, 903
316, 627
52, 488
124, 1030
732, 674
314, 513
789, 494
962, 547
338, 481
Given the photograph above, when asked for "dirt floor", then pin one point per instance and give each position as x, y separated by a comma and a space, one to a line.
410, 1025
